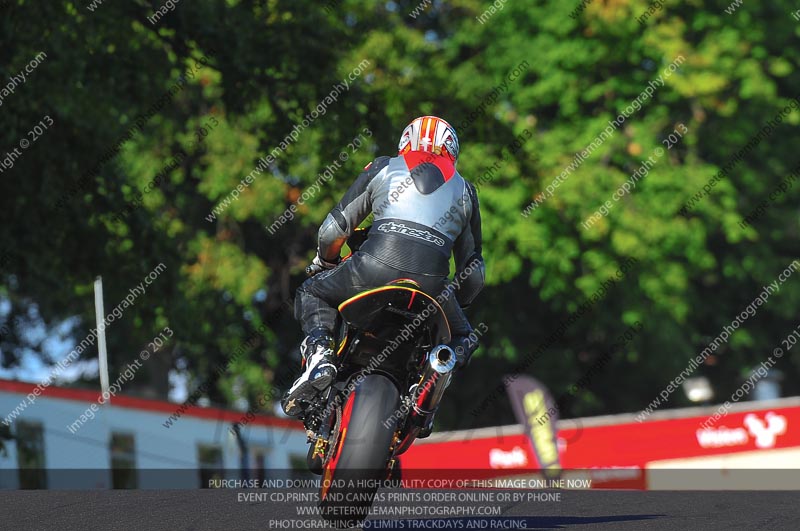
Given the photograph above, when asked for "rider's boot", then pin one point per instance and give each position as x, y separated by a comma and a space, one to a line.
427, 429
319, 363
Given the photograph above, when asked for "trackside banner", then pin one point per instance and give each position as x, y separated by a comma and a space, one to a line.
531, 402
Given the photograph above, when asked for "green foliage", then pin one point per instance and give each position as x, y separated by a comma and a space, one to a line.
271, 63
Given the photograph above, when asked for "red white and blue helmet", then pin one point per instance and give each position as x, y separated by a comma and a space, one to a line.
429, 133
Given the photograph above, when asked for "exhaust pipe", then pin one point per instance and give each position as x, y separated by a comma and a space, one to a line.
428, 393
435, 379
442, 359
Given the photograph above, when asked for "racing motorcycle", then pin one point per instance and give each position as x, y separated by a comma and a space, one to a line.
394, 366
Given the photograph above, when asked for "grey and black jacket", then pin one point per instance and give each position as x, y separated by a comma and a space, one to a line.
424, 210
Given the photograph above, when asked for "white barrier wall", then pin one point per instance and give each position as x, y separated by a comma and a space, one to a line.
83, 459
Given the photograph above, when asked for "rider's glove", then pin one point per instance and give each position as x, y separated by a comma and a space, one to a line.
319, 265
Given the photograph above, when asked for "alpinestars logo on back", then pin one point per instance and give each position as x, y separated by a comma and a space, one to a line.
399, 228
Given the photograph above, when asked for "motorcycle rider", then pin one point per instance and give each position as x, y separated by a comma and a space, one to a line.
423, 210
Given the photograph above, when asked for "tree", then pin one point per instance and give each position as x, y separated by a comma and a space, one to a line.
189, 108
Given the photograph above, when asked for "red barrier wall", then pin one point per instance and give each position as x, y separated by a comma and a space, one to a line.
617, 451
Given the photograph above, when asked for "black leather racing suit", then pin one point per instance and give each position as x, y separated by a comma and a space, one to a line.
423, 211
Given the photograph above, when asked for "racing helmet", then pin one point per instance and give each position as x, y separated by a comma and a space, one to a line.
429, 133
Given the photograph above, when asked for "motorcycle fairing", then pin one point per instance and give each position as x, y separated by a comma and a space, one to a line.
374, 309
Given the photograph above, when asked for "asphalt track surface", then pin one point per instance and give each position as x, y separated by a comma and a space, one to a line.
220, 510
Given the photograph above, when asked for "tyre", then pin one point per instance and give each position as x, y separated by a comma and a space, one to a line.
351, 475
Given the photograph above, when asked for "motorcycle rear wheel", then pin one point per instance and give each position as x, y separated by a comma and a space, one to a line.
352, 474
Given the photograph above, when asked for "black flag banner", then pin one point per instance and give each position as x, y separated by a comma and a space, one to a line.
535, 409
